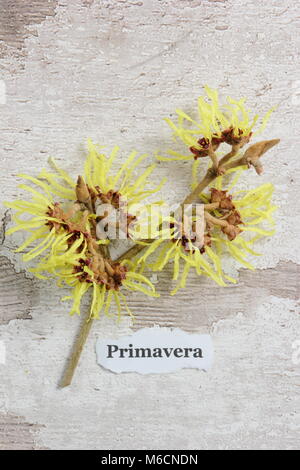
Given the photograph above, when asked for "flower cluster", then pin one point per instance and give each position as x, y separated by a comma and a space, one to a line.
71, 238
71, 223
226, 217
230, 124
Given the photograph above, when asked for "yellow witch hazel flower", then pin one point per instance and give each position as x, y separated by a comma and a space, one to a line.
230, 123
201, 244
118, 200
69, 235
120, 191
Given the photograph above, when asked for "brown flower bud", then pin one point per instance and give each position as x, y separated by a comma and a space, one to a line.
217, 195
206, 146
224, 200
234, 218
82, 192
231, 138
231, 231
226, 203
253, 153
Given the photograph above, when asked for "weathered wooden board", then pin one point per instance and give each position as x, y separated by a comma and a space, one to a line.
111, 70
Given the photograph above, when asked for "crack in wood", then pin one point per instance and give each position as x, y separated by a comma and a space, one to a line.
87, 3
4, 222
217, 303
17, 293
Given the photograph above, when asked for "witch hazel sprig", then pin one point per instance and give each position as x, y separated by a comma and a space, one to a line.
71, 224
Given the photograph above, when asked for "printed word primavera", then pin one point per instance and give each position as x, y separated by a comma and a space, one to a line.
113, 351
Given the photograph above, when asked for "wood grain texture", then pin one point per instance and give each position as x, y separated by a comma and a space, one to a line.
16, 434
212, 304
111, 71
17, 21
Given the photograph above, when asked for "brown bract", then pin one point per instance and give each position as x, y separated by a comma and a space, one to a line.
65, 218
105, 272
93, 198
253, 153
222, 198
191, 236
206, 146
114, 201
229, 219
229, 136
101, 269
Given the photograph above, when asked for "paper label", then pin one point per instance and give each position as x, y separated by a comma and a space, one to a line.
155, 351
